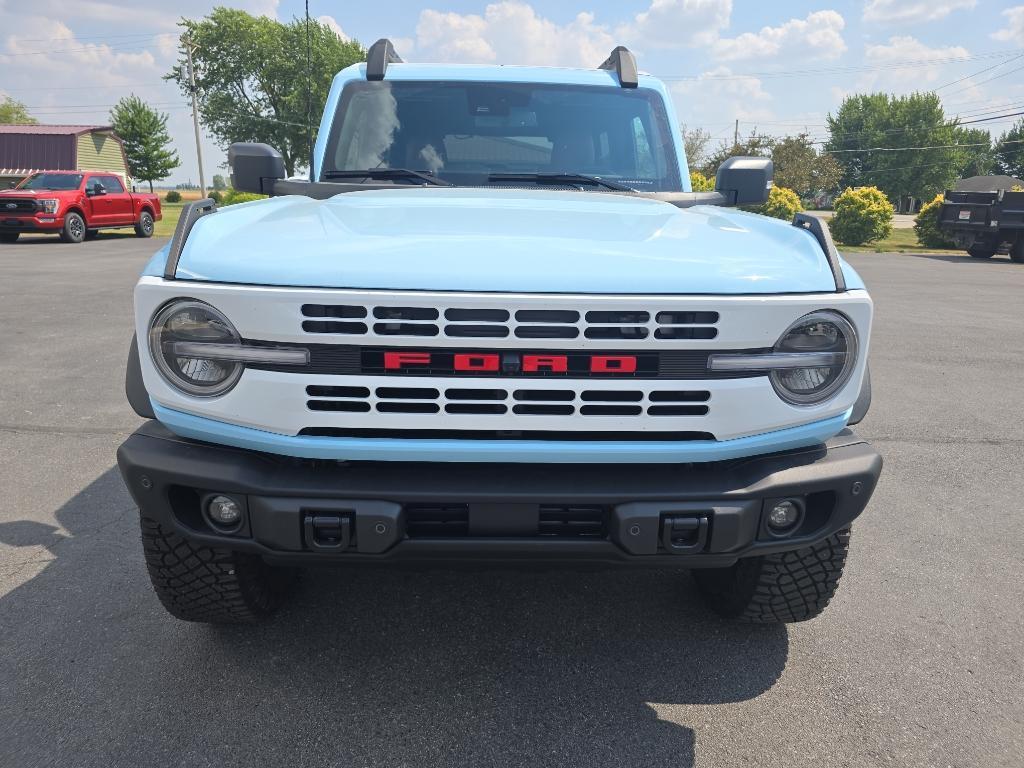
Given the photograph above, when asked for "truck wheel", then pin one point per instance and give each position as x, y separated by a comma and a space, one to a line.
981, 251
210, 584
9, 237
74, 229
145, 226
784, 587
1016, 252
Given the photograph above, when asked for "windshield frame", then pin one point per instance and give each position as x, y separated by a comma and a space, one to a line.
25, 182
671, 182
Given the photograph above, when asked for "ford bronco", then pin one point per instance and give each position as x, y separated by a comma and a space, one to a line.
496, 326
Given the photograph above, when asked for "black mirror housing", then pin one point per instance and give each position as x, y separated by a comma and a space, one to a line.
745, 180
255, 167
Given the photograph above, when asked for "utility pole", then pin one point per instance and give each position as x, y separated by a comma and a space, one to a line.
736, 134
195, 114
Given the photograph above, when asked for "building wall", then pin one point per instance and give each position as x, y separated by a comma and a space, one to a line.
101, 152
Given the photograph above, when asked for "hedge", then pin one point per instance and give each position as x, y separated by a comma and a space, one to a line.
782, 203
862, 215
926, 225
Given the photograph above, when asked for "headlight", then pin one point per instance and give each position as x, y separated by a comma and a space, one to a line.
187, 320
49, 206
825, 337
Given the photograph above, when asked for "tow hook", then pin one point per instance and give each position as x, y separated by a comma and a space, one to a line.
328, 532
683, 535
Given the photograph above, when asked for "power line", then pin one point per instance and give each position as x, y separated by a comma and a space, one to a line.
979, 72
989, 80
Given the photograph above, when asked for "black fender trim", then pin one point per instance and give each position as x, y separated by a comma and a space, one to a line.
190, 214
134, 387
821, 233
863, 404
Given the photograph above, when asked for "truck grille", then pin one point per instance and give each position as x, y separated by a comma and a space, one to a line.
520, 401
20, 206
631, 324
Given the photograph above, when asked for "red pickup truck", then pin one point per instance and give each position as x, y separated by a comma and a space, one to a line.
75, 205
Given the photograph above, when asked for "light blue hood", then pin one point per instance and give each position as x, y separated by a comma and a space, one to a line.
505, 240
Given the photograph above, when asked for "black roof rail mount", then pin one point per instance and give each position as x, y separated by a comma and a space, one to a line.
378, 57
190, 214
819, 229
623, 63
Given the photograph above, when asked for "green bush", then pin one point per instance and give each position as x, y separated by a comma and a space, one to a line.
231, 197
782, 204
701, 183
926, 225
174, 196
862, 215
215, 196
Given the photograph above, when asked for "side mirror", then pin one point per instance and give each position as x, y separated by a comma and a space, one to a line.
95, 189
745, 180
255, 167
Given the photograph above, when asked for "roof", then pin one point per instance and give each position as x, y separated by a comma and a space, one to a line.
53, 130
506, 73
987, 184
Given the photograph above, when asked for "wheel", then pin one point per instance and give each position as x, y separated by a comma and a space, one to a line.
92, 234
145, 226
209, 584
982, 251
74, 228
1016, 252
785, 587
9, 237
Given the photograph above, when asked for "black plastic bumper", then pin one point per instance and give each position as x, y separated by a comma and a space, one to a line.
696, 515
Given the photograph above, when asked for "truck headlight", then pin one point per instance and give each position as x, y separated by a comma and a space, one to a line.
188, 320
826, 336
49, 206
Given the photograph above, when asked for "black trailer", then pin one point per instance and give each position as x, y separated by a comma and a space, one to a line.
985, 223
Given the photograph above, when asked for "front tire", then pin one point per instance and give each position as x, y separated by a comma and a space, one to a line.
210, 584
74, 228
1017, 251
9, 237
981, 251
145, 226
780, 588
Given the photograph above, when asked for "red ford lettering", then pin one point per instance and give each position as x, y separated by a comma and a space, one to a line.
465, 362
612, 364
546, 363
396, 361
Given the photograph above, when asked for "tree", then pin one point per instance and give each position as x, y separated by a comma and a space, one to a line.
251, 77
782, 203
701, 183
754, 145
143, 131
867, 122
862, 216
218, 182
1009, 151
800, 167
695, 142
15, 113
976, 157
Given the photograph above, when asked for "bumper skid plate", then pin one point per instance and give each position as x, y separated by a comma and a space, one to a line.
692, 515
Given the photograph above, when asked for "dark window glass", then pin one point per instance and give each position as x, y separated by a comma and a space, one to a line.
57, 181
463, 132
112, 184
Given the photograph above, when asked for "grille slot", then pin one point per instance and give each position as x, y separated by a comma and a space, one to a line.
547, 316
572, 521
476, 331
405, 329
326, 326
694, 396
475, 394
437, 521
333, 310
480, 408
616, 332
414, 407
405, 313
408, 393
616, 317
542, 410
686, 333
544, 394
611, 410
677, 410
547, 332
612, 396
477, 315
351, 406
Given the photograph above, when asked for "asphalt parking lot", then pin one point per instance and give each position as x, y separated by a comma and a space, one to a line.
918, 662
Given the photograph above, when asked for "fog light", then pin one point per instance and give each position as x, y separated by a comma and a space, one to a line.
783, 515
224, 511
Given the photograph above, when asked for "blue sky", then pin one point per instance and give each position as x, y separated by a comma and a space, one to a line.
779, 67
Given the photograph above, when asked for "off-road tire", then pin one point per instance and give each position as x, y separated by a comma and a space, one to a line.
210, 584
74, 228
982, 251
9, 237
1017, 251
780, 588
145, 226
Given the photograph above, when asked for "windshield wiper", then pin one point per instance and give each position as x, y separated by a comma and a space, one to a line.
560, 178
388, 173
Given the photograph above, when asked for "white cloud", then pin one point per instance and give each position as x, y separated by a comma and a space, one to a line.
511, 32
678, 23
913, 11
718, 95
817, 36
1014, 30
331, 22
906, 48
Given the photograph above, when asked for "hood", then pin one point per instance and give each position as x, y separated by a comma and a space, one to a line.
503, 240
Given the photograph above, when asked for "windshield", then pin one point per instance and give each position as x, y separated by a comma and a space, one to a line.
59, 181
466, 132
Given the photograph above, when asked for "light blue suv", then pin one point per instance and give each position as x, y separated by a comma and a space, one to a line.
496, 325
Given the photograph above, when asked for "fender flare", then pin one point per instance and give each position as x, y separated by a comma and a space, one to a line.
134, 387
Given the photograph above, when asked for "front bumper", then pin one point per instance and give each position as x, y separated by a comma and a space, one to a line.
689, 515
37, 223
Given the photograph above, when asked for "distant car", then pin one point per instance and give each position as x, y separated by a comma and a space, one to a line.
75, 205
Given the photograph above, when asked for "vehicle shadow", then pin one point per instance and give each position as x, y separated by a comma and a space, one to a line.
364, 667
964, 259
